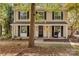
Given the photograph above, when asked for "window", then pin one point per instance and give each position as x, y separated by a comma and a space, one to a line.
57, 15
57, 31
23, 29
23, 15
40, 15
57, 28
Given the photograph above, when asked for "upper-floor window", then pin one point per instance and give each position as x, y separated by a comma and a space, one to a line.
41, 15
57, 15
23, 15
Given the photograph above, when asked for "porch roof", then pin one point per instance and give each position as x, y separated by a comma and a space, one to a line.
40, 22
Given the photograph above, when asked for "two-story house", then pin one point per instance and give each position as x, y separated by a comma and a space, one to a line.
51, 25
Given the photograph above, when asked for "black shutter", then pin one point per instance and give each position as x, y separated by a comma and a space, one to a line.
28, 15
18, 30
52, 31
19, 15
62, 31
53, 15
62, 15
36, 12
27, 30
45, 15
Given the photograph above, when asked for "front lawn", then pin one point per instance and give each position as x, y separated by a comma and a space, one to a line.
20, 48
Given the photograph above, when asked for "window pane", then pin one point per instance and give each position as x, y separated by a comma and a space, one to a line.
23, 15
57, 28
23, 29
40, 15
57, 15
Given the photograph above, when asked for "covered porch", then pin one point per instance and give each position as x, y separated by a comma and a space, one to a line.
42, 31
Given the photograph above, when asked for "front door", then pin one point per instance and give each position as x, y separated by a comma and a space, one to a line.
40, 34
57, 31
23, 31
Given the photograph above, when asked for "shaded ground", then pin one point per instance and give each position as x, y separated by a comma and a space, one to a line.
20, 48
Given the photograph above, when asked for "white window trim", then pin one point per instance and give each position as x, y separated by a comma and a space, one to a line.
23, 19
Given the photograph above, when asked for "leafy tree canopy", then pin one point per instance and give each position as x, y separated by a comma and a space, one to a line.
53, 7
22, 6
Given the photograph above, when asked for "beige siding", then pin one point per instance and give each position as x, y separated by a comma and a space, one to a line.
15, 16
49, 18
65, 15
36, 31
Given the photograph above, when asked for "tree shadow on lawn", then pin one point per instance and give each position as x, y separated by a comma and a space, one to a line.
48, 50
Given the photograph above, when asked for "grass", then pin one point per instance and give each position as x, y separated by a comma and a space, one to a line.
76, 50
55, 45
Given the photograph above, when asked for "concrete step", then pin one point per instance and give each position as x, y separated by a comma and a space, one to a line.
57, 40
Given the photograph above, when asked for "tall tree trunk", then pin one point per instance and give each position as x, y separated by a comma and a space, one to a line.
71, 34
32, 26
72, 28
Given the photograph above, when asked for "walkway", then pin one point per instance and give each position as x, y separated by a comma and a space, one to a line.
36, 41
45, 42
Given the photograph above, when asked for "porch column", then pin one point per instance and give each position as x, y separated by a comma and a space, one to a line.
66, 31
36, 31
3, 30
44, 32
48, 32
16, 30
12, 30
65, 28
